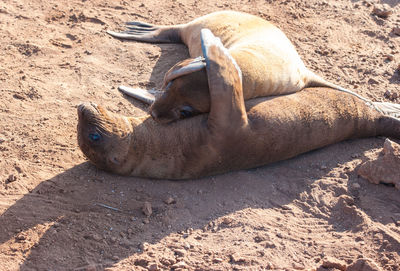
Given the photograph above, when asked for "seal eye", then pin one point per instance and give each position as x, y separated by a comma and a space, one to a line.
94, 137
186, 112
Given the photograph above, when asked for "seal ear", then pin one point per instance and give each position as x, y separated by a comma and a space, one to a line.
184, 67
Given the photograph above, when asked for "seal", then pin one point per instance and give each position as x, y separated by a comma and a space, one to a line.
227, 138
269, 62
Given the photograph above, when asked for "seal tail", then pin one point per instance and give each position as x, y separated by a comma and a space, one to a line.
389, 123
388, 109
384, 108
388, 126
315, 80
145, 32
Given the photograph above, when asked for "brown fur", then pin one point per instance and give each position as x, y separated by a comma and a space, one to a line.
227, 138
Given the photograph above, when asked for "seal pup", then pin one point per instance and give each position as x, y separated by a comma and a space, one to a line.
227, 138
269, 62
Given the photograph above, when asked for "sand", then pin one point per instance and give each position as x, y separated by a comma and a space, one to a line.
58, 212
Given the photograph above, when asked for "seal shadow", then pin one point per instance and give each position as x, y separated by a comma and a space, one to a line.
79, 227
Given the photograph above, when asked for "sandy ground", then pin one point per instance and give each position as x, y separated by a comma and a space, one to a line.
311, 212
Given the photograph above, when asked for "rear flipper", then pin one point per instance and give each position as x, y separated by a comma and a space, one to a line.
389, 123
145, 32
389, 109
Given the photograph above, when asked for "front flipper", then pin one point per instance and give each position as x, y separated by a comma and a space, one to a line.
146, 96
145, 32
227, 111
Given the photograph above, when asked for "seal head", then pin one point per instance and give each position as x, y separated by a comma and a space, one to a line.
185, 92
104, 137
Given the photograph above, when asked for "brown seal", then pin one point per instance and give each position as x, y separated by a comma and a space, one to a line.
227, 138
269, 62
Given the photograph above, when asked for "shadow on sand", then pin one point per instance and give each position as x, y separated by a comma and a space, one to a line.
78, 231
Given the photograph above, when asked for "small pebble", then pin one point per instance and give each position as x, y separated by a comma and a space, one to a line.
11, 178
298, 266
141, 262
363, 264
147, 209
269, 245
180, 252
390, 57
382, 11
181, 264
237, 258
167, 262
388, 94
372, 81
96, 237
227, 220
259, 239
169, 200
218, 260
21, 237
144, 246
332, 263
396, 31
356, 186
152, 267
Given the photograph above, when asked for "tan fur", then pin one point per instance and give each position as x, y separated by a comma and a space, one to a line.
227, 138
268, 60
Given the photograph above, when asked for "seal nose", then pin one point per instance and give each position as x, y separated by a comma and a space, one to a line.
81, 108
88, 106
153, 114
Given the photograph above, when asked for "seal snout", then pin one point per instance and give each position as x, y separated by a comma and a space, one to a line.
153, 114
87, 107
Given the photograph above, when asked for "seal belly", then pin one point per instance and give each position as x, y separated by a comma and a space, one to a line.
269, 67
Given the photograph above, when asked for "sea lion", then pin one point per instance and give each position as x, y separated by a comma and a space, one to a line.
228, 138
269, 62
